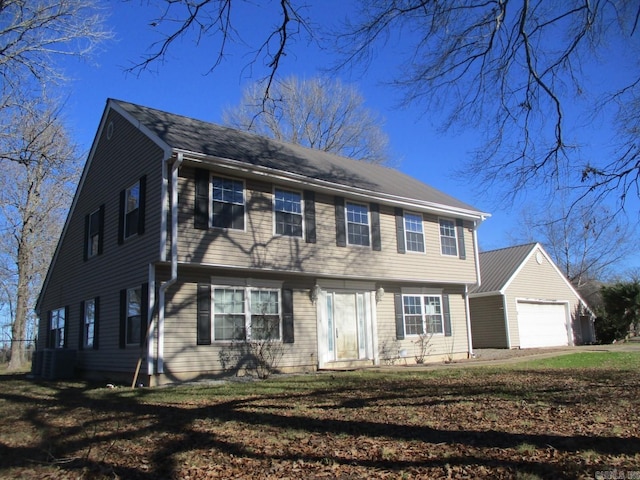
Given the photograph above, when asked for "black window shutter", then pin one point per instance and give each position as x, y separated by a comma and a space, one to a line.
446, 315
123, 194
201, 207
123, 318
81, 329
287, 316
144, 313
96, 324
100, 230
400, 230
399, 309
341, 236
462, 254
141, 207
66, 327
85, 250
376, 241
310, 216
204, 314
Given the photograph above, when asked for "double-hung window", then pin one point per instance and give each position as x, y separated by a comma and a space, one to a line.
93, 233
288, 213
228, 203
89, 323
131, 210
414, 233
422, 314
357, 224
133, 316
246, 313
448, 239
56, 328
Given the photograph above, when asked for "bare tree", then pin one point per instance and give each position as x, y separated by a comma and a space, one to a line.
35, 34
205, 19
317, 113
519, 72
40, 167
587, 243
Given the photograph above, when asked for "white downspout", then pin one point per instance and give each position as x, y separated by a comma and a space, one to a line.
466, 290
174, 258
468, 318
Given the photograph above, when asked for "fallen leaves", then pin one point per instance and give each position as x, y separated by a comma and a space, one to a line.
478, 424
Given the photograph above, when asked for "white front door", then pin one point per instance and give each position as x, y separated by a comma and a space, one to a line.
346, 326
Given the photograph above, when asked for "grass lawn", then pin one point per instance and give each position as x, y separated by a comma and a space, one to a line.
572, 416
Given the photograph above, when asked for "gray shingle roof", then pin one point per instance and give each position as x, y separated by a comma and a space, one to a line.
498, 266
191, 135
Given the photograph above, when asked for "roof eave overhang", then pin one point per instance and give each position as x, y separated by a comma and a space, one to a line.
354, 192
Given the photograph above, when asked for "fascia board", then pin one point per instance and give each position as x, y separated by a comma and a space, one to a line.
359, 193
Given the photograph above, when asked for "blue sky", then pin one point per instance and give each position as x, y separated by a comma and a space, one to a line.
182, 85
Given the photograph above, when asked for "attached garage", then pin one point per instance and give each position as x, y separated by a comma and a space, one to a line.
524, 301
543, 324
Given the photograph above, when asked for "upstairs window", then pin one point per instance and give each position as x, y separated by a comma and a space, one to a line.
132, 210
227, 203
94, 224
414, 233
357, 224
448, 239
288, 213
56, 328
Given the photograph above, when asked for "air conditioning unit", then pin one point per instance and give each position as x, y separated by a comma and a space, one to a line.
58, 363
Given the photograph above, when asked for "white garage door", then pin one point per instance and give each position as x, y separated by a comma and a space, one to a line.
542, 325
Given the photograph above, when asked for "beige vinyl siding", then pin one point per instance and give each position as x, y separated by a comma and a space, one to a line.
116, 164
536, 282
183, 358
258, 248
487, 322
441, 347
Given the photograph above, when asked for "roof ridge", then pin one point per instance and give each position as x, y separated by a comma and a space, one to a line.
530, 244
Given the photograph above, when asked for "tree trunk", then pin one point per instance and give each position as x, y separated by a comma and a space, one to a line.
19, 327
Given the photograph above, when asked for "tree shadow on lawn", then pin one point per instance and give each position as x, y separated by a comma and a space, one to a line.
119, 416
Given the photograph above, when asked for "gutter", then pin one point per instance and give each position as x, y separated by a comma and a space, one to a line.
471, 354
174, 248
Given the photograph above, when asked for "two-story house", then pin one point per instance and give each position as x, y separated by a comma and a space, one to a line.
187, 241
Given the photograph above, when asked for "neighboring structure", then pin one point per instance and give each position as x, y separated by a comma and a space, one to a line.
190, 246
524, 301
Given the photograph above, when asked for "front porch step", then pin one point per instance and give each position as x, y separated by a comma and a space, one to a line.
348, 365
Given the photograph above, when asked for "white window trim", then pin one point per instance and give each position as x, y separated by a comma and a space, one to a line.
57, 313
126, 326
85, 338
424, 240
126, 212
424, 313
90, 254
455, 237
244, 204
273, 197
248, 285
346, 224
